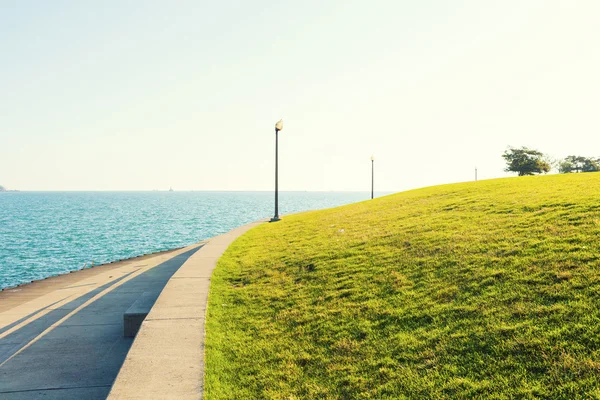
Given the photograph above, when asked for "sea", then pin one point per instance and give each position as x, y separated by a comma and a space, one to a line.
43, 234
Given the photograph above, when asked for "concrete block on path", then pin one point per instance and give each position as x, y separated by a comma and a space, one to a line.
137, 313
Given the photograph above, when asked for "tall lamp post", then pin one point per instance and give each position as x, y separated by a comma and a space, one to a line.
372, 175
278, 127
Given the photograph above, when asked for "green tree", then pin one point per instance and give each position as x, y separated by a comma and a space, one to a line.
579, 164
526, 161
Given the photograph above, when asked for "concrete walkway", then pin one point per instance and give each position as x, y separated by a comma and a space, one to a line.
62, 338
166, 360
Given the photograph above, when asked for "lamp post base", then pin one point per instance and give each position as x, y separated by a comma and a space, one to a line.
275, 219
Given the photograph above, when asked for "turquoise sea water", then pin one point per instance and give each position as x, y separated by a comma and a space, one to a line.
49, 233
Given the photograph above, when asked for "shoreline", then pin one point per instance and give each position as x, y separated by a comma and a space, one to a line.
134, 258
49, 250
40, 287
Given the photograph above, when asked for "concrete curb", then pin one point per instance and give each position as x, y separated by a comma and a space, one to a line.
166, 360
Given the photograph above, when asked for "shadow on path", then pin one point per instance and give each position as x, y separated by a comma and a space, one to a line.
81, 357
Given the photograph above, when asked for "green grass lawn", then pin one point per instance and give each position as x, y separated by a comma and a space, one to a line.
487, 289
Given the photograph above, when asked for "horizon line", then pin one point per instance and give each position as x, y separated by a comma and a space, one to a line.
196, 190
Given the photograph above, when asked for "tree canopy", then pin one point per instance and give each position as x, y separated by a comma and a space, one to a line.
525, 161
579, 164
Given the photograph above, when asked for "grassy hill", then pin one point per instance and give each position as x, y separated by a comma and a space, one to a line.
487, 289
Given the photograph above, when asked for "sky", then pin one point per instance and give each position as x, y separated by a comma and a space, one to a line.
145, 95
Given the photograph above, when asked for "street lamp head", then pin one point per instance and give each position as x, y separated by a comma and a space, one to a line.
372, 158
279, 125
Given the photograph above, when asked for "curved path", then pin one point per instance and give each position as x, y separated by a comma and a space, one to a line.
62, 337
166, 360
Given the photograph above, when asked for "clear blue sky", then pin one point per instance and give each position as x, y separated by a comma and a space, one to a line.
142, 95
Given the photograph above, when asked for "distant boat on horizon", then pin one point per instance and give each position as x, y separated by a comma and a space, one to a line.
171, 189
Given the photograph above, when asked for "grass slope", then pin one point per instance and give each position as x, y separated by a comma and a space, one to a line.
488, 289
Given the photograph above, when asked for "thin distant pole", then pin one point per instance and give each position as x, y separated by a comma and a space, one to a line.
372, 177
475, 174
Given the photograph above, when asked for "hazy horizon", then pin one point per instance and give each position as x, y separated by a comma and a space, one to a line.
202, 190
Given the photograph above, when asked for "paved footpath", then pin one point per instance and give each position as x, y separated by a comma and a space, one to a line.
62, 337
